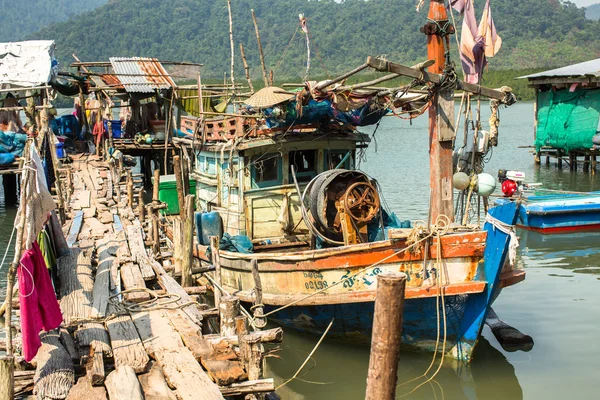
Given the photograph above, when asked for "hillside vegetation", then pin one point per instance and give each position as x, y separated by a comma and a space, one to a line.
20, 18
537, 34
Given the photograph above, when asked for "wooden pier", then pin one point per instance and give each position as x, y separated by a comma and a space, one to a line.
130, 330
586, 159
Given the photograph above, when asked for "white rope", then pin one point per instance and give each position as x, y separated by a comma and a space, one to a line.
509, 230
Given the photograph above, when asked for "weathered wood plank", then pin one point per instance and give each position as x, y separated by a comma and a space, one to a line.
183, 372
132, 279
242, 388
122, 384
126, 344
95, 367
107, 250
224, 372
75, 228
138, 251
83, 389
76, 285
154, 385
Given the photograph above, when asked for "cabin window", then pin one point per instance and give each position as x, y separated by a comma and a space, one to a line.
304, 163
207, 165
266, 171
334, 157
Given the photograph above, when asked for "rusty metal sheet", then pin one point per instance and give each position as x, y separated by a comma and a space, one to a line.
141, 75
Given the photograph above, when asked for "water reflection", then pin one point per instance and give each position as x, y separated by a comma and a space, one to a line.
339, 371
577, 252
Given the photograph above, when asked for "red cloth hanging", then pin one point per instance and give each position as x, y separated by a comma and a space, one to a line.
39, 307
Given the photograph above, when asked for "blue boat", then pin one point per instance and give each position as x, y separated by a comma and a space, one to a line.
559, 213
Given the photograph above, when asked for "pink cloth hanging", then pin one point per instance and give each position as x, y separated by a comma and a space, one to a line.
39, 307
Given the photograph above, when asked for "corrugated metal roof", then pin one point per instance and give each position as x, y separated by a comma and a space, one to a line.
587, 68
141, 75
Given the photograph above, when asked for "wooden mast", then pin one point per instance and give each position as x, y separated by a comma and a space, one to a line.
441, 125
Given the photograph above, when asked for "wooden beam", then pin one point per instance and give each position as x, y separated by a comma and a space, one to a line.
122, 384
387, 66
127, 346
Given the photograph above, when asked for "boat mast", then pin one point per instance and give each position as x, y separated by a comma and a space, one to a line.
441, 116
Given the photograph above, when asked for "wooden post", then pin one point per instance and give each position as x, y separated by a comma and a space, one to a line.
241, 330
441, 124
246, 69
141, 208
559, 160
586, 163
259, 321
260, 49
155, 201
7, 372
386, 338
179, 182
129, 190
231, 43
254, 364
572, 161
271, 77
187, 248
156, 185
593, 164
214, 252
229, 309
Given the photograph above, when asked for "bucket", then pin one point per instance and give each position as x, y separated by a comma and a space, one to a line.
210, 225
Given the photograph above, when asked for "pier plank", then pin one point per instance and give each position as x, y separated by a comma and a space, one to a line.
75, 228
93, 333
83, 389
126, 344
132, 279
123, 384
154, 385
54, 375
107, 250
138, 251
76, 285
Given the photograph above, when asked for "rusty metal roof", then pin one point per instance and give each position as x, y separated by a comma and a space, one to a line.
141, 75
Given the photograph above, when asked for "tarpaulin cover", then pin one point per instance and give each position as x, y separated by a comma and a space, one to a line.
27, 64
567, 120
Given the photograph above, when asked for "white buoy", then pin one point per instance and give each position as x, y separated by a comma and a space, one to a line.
460, 181
486, 184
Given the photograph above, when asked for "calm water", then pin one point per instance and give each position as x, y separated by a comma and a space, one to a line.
558, 304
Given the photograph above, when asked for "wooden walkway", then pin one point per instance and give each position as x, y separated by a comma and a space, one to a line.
130, 330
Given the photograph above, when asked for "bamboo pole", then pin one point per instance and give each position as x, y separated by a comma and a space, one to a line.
129, 189
231, 42
55, 164
386, 338
260, 49
246, 68
214, 252
187, 249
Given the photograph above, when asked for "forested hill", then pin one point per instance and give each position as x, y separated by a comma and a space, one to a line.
593, 11
536, 33
20, 18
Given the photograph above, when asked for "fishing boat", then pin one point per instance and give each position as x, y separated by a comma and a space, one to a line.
304, 233
559, 213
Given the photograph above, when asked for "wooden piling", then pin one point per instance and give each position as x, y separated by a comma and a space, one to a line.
386, 338
141, 207
179, 182
7, 371
155, 201
260, 49
254, 362
586, 163
187, 248
129, 189
214, 252
229, 309
593, 164
259, 321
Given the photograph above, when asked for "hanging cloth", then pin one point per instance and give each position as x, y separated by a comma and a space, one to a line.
47, 249
38, 305
38, 200
476, 42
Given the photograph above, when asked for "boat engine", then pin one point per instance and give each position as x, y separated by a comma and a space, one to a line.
512, 182
342, 203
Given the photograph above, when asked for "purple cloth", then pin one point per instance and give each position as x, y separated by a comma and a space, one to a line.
476, 42
39, 307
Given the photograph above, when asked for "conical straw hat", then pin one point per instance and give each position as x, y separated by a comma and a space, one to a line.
268, 97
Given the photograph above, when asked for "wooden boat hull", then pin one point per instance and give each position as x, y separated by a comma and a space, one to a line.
318, 285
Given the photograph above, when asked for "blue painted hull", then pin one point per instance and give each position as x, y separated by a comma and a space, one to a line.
465, 313
560, 213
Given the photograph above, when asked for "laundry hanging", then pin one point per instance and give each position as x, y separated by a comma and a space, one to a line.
38, 305
477, 43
